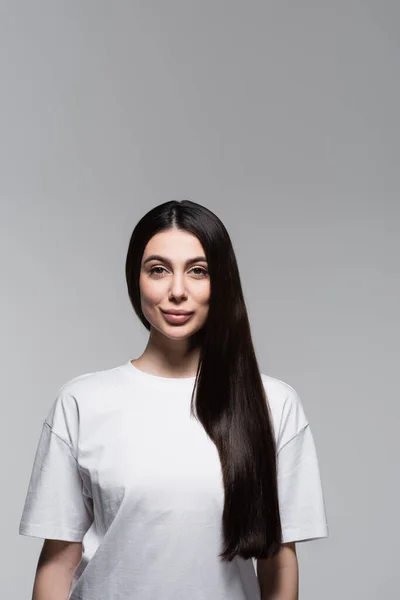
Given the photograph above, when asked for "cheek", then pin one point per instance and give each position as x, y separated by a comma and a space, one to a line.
202, 294
150, 293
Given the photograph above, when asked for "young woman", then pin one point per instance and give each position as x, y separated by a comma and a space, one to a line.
184, 473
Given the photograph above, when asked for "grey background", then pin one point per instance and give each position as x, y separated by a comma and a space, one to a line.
281, 117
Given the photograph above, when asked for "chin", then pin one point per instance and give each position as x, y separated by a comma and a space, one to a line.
175, 332
178, 333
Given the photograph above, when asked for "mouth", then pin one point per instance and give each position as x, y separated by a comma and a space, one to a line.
180, 317
177, 312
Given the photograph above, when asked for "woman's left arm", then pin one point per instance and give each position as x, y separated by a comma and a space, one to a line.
279, 576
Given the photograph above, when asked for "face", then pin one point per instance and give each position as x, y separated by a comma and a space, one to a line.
174, 276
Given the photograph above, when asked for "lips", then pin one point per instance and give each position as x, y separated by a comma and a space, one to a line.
176, 318
177, 312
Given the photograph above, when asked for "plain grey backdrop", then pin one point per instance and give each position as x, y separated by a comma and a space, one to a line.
282, 118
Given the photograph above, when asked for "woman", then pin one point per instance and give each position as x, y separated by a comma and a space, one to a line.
180, 466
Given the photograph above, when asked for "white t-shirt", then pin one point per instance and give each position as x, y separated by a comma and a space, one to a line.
123, 466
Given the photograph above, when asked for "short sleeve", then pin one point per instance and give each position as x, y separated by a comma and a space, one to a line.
58, 504
301, 499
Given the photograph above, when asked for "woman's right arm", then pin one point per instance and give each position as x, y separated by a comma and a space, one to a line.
56, 565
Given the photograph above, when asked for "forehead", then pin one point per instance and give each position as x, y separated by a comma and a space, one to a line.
174, 244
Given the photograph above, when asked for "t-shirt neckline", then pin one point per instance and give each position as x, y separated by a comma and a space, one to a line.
165, 381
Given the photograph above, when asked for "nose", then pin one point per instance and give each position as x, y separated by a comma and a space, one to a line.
178, 288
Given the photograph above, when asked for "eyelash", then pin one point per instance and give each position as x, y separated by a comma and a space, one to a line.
152, 270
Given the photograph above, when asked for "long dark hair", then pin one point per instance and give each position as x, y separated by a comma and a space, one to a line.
231, 401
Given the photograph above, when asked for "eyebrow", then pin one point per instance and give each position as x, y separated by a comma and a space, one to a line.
190, 261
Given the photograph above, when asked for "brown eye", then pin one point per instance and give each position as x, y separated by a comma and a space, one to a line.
157, 271
203, 272
153, 271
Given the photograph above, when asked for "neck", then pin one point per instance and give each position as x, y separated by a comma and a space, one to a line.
166, 357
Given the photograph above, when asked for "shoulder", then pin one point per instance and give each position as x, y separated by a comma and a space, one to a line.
77, 393
286, 407
87, 383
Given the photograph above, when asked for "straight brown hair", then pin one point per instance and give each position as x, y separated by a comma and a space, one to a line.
229, 395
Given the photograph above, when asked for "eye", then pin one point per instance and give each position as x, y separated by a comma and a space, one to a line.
156, 271
203, 272
153, 270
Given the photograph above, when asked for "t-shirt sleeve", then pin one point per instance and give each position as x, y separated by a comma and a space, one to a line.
58, 504
301, 499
